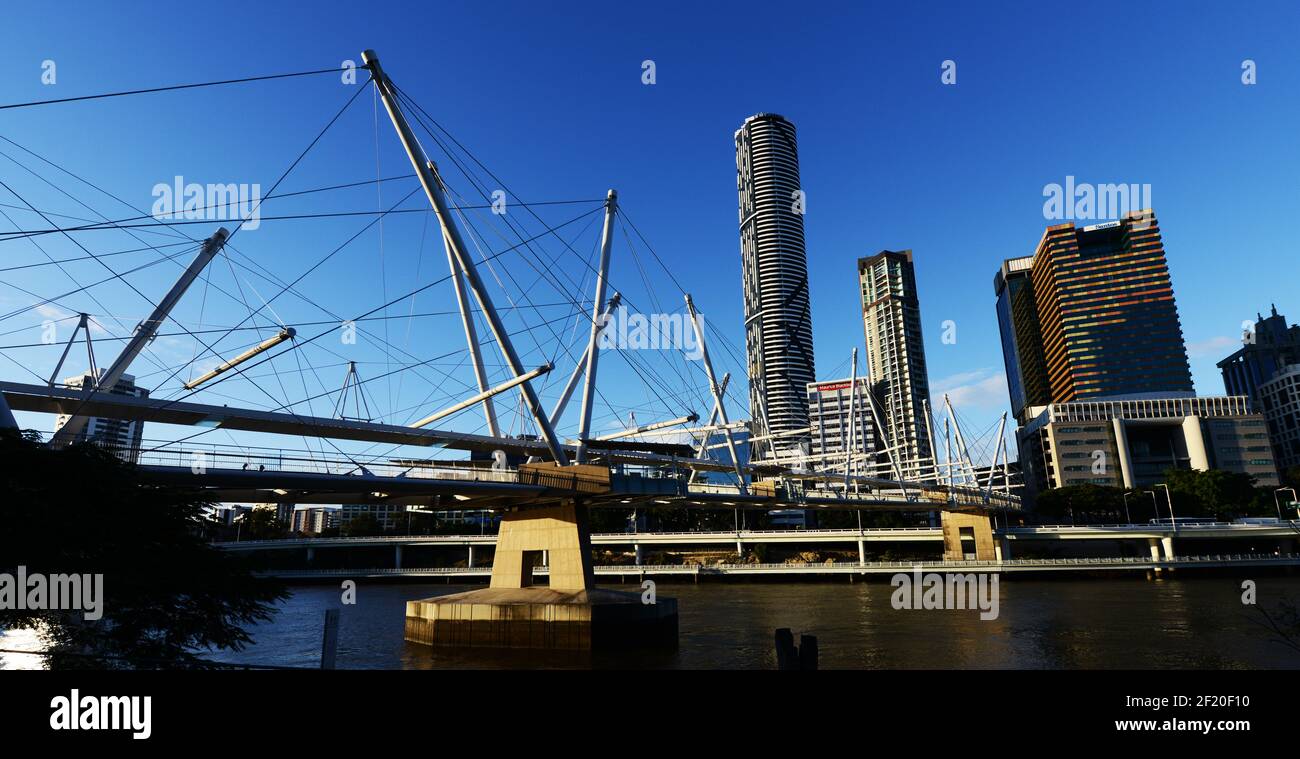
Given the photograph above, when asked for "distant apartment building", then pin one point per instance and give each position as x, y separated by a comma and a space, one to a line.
1091, 314
1270, 347
774, 269
900, 384
388, 515
1278, 398
119, 436
832, 424
283, 511
1131, 443
313, 520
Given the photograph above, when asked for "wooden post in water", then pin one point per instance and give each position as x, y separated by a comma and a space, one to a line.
787, 655
792, 657
330, 643
807, 652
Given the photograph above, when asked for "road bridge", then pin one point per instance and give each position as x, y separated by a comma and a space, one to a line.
1013, 566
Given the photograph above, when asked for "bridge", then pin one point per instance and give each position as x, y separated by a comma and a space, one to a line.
1203, 530
630, 573
1160, 539
232, 380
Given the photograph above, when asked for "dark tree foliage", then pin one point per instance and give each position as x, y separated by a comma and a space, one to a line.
1084, 503
1216, 494
167, 594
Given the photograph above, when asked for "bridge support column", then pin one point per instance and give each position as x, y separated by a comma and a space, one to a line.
862, 552
975, 528
311, 554
1004, 546
1168, 545
640, 555
1154, 545
470, 561
740, 549
397, 557
529, 535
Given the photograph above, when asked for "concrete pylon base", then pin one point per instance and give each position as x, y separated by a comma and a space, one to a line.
538, 617
571, 613
977, 528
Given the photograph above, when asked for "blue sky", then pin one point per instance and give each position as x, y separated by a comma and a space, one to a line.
551, 99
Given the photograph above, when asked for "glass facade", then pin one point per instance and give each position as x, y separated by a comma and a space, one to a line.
1102, 303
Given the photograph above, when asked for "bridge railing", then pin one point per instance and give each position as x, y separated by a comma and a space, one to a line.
1159, 526
251, 458
845, 566
847, 532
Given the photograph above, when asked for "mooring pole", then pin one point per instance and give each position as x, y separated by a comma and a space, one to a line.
593, 342
432, 184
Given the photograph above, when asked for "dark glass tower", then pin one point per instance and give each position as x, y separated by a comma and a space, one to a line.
1022, 342
1273, 346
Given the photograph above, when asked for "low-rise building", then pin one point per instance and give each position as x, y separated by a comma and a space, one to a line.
1131, 442
830, 426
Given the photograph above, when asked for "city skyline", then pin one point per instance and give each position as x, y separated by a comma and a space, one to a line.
687, 216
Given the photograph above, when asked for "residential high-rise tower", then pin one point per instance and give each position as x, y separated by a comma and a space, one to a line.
778, 321
900, 384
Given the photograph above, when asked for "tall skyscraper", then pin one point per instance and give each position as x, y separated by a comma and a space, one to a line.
1102, 304
778, 321
891, 319
1097, 369
1022, 341
119, 436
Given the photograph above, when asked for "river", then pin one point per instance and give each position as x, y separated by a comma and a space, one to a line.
1190, 622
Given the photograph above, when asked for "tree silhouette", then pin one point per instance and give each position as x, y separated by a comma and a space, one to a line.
167, 594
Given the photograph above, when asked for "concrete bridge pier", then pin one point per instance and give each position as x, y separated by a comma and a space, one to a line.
960, 527
640, 555
311, 554
469, 562
1167, 543
397, 557
740, 549
1002, 548
1155, 545
569, 612
862, 553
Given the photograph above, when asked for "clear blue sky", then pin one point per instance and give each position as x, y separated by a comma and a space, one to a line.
552, 100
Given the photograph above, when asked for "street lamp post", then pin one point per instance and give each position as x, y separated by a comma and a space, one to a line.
1170, 499
1294, 500
1155, 505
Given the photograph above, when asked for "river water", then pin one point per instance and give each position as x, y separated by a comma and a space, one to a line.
1085, 623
